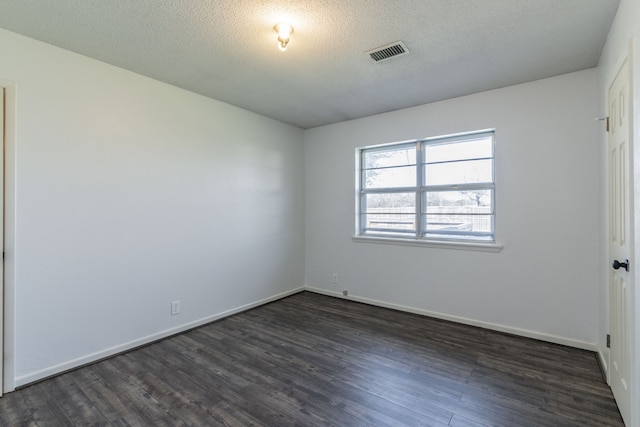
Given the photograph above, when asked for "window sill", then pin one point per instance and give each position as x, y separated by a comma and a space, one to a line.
464, 246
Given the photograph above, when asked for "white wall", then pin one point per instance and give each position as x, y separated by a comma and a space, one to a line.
623, 38
131, 194
544, 283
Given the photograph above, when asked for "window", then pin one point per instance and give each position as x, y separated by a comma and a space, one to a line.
433, 189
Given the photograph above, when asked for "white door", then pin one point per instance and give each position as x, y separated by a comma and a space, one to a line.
620, 239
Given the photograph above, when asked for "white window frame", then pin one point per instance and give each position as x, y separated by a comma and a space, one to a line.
448, 239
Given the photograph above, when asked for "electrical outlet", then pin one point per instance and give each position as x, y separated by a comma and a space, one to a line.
334, 278
175, 307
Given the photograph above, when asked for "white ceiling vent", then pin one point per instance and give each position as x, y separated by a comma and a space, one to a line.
392, 50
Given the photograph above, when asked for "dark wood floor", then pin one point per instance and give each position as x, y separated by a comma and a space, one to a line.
311, 360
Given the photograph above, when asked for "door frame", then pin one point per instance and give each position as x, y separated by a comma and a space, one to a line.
633, 53
7, 279
2, 107
632, 56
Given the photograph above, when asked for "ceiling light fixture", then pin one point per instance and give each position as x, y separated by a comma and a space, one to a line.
284, 31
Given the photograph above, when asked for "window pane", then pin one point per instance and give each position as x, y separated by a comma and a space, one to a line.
390, 203
469, 149
391, 178
381, 158
389, 213
389, 223
459, 226
464, 172
459, 202
478, 227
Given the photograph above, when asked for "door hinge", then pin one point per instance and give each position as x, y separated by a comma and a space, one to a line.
608, 341
606, 120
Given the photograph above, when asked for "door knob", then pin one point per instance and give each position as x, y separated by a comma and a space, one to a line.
617, 264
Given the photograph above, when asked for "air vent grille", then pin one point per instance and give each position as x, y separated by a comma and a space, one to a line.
389, 51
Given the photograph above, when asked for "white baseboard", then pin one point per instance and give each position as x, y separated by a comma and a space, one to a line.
602, 361
112, 351
487, 325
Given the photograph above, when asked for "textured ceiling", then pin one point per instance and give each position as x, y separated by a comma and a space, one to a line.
226, 49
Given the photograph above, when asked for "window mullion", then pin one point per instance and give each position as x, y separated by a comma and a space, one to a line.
390, 190
362, 196
460, 187
419, 182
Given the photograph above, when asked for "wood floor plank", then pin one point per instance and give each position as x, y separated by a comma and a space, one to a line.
44, 407
313, 360
72, 402
135, 403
